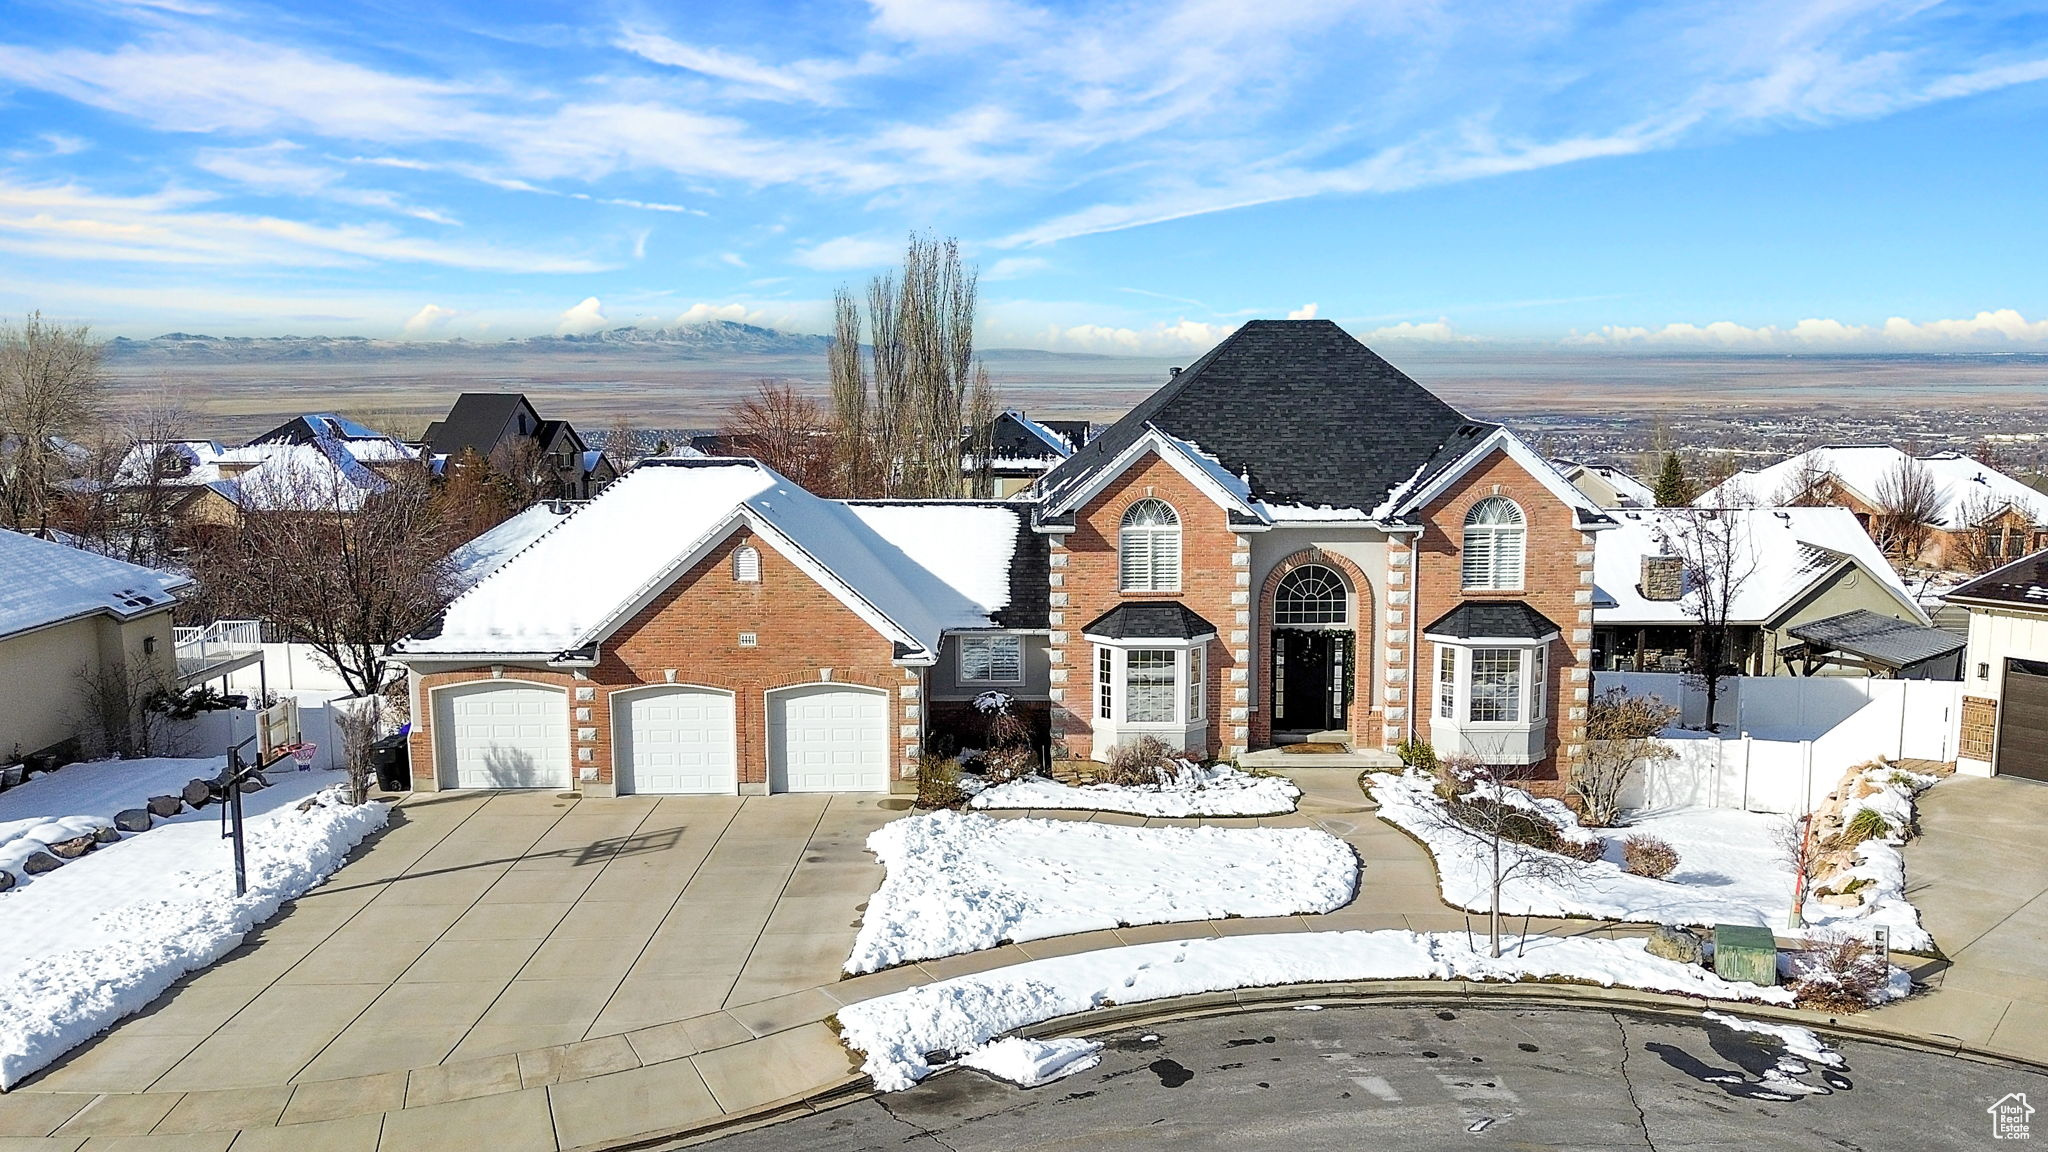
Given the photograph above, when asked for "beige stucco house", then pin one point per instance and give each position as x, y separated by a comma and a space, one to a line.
71, 622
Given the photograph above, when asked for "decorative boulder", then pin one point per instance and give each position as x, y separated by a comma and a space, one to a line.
73, 848
6, 879
40, 862
1842, 900
197, 793
1675, 944
255, 784
166, 806
132, 820
106, 835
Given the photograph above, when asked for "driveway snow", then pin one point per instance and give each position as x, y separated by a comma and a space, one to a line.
896, 1033
107, 933
1219, 790
962, 882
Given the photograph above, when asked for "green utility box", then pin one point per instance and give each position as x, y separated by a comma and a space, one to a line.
1744, 953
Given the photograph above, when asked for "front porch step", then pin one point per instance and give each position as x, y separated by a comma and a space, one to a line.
1360, 759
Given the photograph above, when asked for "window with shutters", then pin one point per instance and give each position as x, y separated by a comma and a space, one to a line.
991, 659
1494, 542
1148, 547
746, 564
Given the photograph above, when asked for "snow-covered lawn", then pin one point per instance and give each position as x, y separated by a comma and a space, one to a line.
896, 1033
107, 933
960, 882
1731, 871
1193, 791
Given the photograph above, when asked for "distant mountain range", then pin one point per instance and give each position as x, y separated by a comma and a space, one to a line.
710, 340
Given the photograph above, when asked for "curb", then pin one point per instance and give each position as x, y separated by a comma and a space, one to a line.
1379, 994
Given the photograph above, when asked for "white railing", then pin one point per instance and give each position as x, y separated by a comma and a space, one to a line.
220, 640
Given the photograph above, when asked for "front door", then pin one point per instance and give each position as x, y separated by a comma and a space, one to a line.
1308, 679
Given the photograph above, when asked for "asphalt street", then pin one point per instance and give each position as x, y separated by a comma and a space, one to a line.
1424, 1078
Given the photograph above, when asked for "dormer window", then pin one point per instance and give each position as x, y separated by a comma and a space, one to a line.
746, 564
1494, 544
1148, 547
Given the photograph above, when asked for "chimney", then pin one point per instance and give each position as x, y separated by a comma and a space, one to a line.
1172, 372
1663, 578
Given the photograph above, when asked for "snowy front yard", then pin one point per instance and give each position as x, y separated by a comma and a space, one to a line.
107, 932
1192, 790
1731, 871
962, 882
901, 1035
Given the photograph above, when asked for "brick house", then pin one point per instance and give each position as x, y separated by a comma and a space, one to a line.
1287, 541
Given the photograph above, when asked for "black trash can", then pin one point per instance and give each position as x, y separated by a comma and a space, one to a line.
392, 761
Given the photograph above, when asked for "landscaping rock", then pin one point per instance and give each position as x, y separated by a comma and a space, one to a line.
255, 784
197, 793
166, 806
1842, 900
6, 879
1676, 944
106, 835
133, 820
40, 862
73, 848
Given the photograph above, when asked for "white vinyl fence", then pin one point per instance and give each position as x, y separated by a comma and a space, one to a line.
1785, 741
210, 733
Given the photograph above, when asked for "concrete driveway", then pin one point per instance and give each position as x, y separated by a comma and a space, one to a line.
481, 924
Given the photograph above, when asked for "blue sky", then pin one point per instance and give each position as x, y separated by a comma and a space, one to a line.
1805, 176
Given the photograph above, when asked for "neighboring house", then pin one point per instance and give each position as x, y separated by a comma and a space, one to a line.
311, 462
1021, 450
1800, 566
1292, 540
1984, 516
72, 621
1228, 567
704, 625
1607, 485
505, 429
2004, 721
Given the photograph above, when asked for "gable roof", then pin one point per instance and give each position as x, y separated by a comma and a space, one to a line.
311, 425
490, 550
1301, 412
1959, 480
43, 583
2020, 584
1788, 552
912, 570
1629, 491
477, 420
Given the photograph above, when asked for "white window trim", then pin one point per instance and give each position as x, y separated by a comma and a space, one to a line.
1187, 654
1153, 535
1495, 580
960, 659
1534, 674
746, 564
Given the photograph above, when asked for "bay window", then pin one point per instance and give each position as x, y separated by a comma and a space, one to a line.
1490, 700
1151, 691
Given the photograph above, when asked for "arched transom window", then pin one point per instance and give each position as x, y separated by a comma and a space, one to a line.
1148, 547
1494, 537
1310, 595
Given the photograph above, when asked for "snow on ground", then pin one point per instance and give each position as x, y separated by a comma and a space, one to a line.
1802, 1051
1730, 871
959, 882
1193, 791
75, 800
896, 1032
1030, 1063
107, 933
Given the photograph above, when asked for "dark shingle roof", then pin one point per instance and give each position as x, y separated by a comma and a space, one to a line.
1311, 415
1149, 620
1013, 439
1885, 640
1493, 619
478, 420
2024, 583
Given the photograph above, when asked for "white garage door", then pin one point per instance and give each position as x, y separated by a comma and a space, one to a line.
504, 735
828, 738
673, 740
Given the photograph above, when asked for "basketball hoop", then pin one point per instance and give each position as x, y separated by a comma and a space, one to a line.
302, 754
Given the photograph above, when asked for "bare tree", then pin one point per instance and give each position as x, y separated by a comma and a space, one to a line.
622, 443
1982, 538
1719, 558
1800, 852
1621, 736
980, 447
786, 430
50, 391
1811, 483
527, 472
361, 727
853, 433
472, 497
1908, 502
1482, 809
345, 573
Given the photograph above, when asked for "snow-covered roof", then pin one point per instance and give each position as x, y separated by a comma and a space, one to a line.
201, 459
1629, 491
1785, 551
324, 474
913, 571
1959, 480
489, 551
44, 583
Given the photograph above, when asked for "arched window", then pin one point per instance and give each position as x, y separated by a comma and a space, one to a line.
1311, 595
1494, 535
1148, 547
746, 564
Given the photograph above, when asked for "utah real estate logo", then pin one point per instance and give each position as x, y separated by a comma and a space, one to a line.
2011, 1118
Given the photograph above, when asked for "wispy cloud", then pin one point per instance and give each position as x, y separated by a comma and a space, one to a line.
2000, 327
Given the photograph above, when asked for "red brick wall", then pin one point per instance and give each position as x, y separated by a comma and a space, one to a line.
1214, 580
694, 628
1557, 581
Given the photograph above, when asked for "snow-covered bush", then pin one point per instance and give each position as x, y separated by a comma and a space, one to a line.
1147, 760
1840, 973
1649, 856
